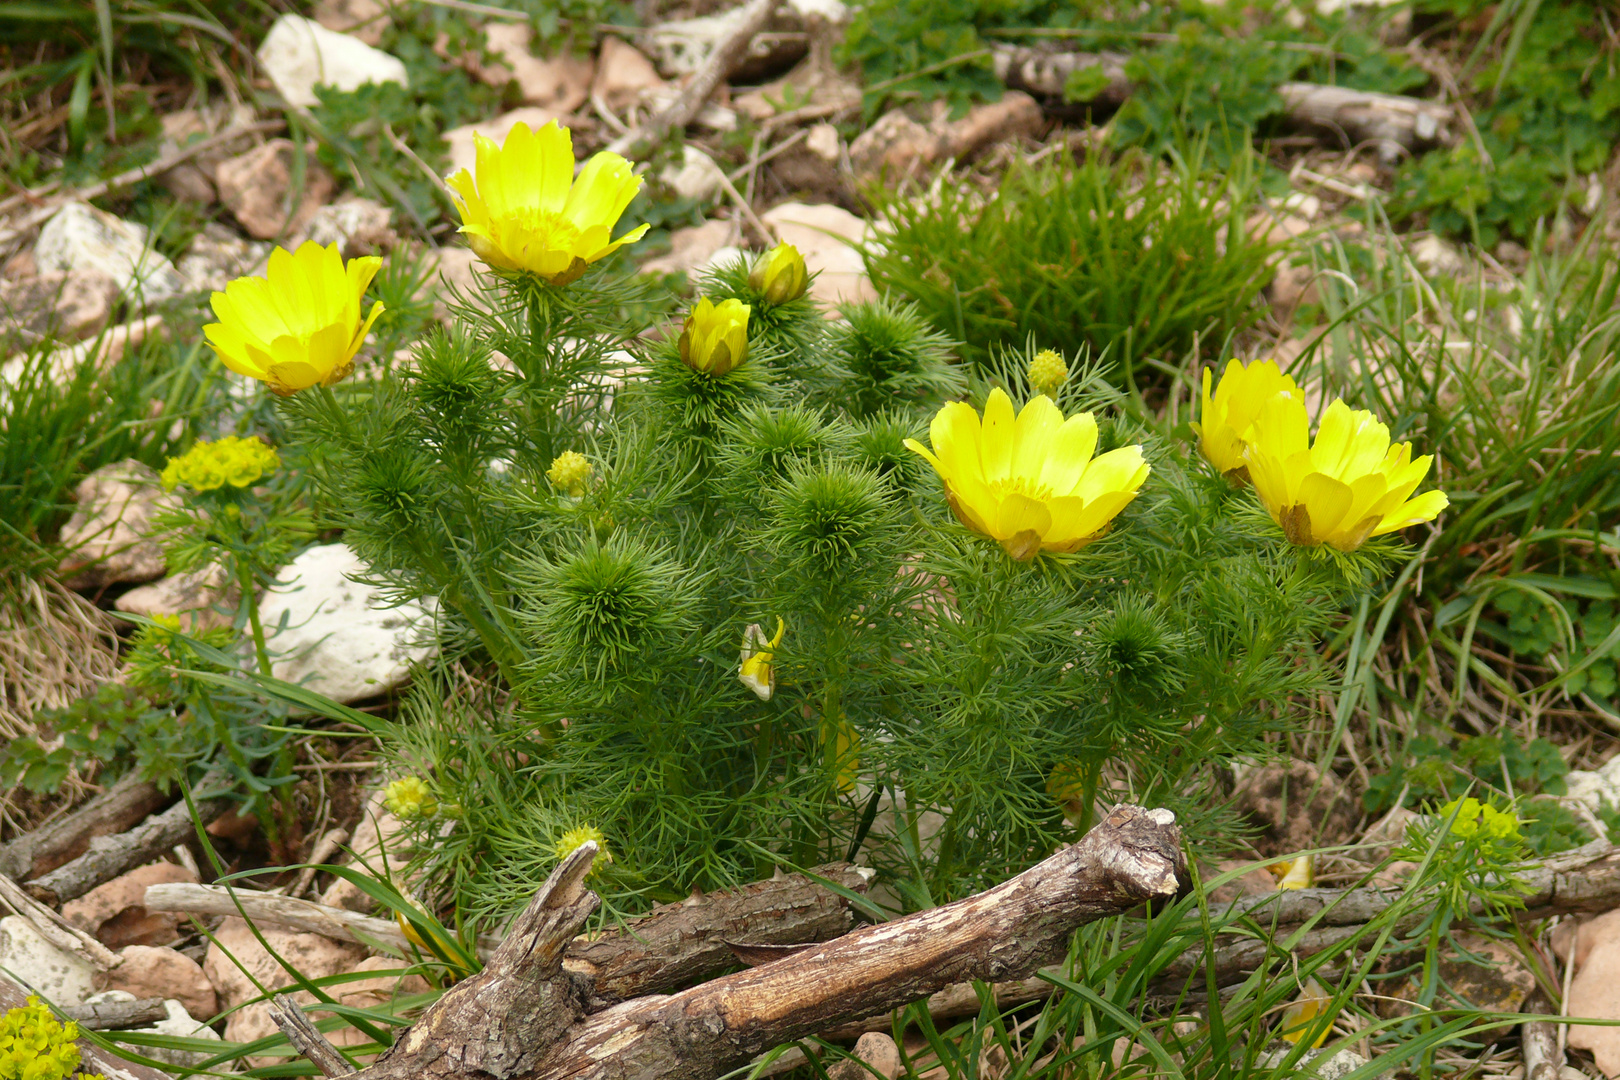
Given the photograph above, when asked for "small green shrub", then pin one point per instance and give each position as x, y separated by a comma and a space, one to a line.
1134, 260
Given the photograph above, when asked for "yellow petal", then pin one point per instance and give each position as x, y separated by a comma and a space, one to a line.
1070, 453
1116, 470
1328, 500
1038, 422
996, 435
1426, 507
1019, 513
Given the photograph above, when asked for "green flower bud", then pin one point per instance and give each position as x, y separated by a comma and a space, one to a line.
1048, 373
715, 338
780, 274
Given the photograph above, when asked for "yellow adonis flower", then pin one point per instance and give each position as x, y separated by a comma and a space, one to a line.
300, 324
1030, 482
1296, 1020
1348, 486
524, 211
755, 669
715, 337
780, 274
1228, 416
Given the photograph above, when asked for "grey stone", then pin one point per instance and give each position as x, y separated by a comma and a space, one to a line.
110, 537
300, 54
78, 237
59, 977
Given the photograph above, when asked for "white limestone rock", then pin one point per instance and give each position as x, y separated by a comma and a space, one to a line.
1599, 789
338, 639
178, 1023
59, 977
697, 178
112, 536
79, 236
300, 54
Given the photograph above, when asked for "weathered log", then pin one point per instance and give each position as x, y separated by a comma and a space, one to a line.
92, 1058
526, 1018
51, 845
1395, 124
669, 947
110, 856
116, 1015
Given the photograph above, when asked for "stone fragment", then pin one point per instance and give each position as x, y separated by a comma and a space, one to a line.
178, 1023
196, 596
64, 306
893, 146
60, 977
1437, 257
109, 538
693, 249
698, 178
366, 20
1594, 992
623, 74
824, 235
159, 972
682, 46
115, 912
361, 226
561, 83
823, 142
217, 256
463, 150
1322, 1064
1501, 984
1599, 789
300, 54
338, 638
874, 1053
313, 955
379, 840
376, 992
1296, 807
79, 237
193, 180
1016, 115
899, 146
257, 188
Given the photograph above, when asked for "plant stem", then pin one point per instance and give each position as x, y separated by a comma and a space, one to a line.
244, 577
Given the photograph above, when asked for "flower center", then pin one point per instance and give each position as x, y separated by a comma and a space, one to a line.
547, 229
1022, 485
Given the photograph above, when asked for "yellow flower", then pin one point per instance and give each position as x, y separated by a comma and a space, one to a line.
715, 337
568, 472
1030, 482
571, 839
1228, 416
1312, 1002
526, 212
755, 670
210, 465
410, 798
1048, 373
300, 324
1297, 873
780, 274
1348, 486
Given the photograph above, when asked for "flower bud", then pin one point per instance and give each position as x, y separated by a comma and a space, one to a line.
571, 839
780, 274
1048, 373
715, 338
409, 798
569, 471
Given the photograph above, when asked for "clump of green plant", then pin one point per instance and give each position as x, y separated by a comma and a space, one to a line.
1135, 260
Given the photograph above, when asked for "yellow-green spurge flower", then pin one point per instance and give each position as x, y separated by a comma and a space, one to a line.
299, 325
1030, 481
1228, 416
209, 465
1481, 819
715, 336
524, 211
34, 1046
1346, 487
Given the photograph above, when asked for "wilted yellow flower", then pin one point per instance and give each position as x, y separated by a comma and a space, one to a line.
410, 798
209, 465
755, 670
1312, 1002
300, 324
1048, 373
571, 839
780, 274
1228, 416
1297, 873
1348, 486
569, 471
715, 337
525, 212
1030, 482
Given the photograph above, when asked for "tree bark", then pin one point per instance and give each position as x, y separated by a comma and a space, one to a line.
116, 1015
525, 1017
112, 811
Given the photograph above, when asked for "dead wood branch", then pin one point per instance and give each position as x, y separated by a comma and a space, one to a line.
306, 1038
54, 928
113, 810
526, 1018
1538, 1040
1396, 125
116, 1015
110, 856
672, 946
728, 55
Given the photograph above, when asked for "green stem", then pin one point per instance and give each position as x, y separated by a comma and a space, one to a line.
244, 577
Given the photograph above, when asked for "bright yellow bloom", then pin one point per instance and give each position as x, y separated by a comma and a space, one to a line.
1030, 482
1348, 486
715, 337
209, 465
571, 839
1228, 416
300, 324
1297, 873
780, 274
525, 212
1047, 373
755, 670
1312, 1002
569, 471
410, 798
